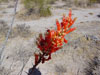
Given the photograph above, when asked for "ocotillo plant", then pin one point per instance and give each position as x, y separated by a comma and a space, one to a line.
53, 39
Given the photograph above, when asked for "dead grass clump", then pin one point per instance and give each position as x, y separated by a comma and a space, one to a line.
90, 13
51, 1
93, 67
22, 31
4, 71
3, 28
45, 12
60, 69
81, 3
3, 1
10, 6
22, 15
35, 9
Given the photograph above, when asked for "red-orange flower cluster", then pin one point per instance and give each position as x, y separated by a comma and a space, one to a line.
54, 39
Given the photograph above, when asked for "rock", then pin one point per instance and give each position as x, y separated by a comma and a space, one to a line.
98, 16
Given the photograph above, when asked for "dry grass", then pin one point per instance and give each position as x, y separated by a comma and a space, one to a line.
34, 9
3, 1
4, 71
60, 69
22, 15
19, 30
51, 1
93, 67
3, 28
90, 13
22, 31
81, 3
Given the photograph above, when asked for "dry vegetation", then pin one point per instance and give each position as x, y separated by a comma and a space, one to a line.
3, 28
19, 30
93, 67
81, 3
60, 69
33, 9
3, 1
22, 31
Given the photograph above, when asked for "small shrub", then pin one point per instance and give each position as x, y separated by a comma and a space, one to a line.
93, 1
3, 28
10, 6
90, 13
3, 1
76, 2
21, 30
37, 7
81, 3
51, 1
4, 71
60, 69
45, 12
93, 67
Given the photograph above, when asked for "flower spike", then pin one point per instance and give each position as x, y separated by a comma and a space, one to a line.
72, 22
53, 40
58, 25
70, 13
65, 40
70, 30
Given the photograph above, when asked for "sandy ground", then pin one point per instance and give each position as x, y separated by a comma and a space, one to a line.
71, 60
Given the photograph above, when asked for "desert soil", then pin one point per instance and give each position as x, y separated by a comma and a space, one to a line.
83, 44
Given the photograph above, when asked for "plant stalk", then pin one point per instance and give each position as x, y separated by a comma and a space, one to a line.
34, 66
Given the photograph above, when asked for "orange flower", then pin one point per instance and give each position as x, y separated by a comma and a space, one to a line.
58, 25
70, 30
54, 39
70, 13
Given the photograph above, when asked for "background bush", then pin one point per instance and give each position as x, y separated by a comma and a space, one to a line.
19, 30
38, 7
3, 28
3, 1
80, 3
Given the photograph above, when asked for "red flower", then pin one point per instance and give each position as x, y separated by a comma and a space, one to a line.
70, 30
36, 58
58, 25
53, 39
